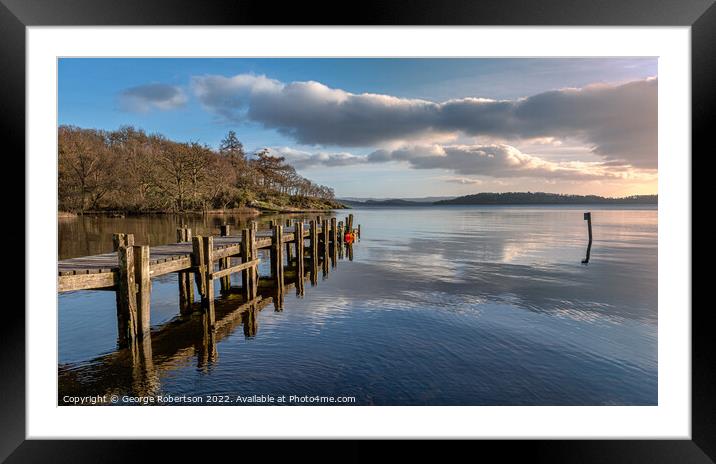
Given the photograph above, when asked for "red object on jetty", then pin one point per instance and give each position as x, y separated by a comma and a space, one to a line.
348, 238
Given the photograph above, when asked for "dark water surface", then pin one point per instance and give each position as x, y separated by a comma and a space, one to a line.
439, 306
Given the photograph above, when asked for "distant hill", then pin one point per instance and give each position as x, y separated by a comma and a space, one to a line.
375, 201
388, 202
542, 198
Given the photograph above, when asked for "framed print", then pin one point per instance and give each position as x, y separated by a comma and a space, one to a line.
465, 220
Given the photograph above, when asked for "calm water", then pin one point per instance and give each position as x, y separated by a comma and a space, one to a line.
439, 306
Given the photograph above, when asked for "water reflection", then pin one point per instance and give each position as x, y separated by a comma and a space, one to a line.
137, 370
479, 306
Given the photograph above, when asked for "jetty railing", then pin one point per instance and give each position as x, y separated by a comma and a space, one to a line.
200, 260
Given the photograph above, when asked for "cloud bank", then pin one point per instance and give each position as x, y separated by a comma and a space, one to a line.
618, 122
494, 160
144, 98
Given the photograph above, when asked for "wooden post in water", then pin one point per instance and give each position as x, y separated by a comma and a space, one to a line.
299, 257
277, 257
186, 280
358, 234
313, 239
350, 223
198, 261
288, 244
334, 241
208, 302
126, 290
225, 263
246, 282
588, 218
254, 271
340, 231
325, 233
144, 289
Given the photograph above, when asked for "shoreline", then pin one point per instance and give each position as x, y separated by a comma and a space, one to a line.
236, 212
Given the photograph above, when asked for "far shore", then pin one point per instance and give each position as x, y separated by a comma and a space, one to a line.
213, 212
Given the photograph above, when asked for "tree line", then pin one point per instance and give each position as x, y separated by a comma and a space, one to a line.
543, 198
131, 170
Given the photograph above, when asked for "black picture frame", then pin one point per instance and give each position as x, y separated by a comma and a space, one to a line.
16, 15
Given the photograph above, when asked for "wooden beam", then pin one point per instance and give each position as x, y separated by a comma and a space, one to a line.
105, 280
167, 267
235, 268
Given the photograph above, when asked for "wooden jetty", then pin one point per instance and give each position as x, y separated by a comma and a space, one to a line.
129, 270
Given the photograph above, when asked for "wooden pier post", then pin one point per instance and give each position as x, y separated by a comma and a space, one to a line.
225, 263
186, 280
277, 255
334, 241
358, 234
350, 223
207, 300
144, 290
340, 231
299, 257
588, 218
126, 290
313, 239
248, 286
198, 261
119, 240
288, 245
325, 234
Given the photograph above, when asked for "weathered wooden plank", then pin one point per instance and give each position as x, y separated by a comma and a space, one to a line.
69, 283
235, 268
232, 250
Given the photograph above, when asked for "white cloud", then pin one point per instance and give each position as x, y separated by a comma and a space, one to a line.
618, 122
144, 98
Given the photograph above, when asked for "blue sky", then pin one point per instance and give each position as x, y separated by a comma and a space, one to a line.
422, 153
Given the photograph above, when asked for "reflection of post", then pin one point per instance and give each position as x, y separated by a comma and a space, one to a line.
250, 320
299, 257
145, 380
588, 218
207, 353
